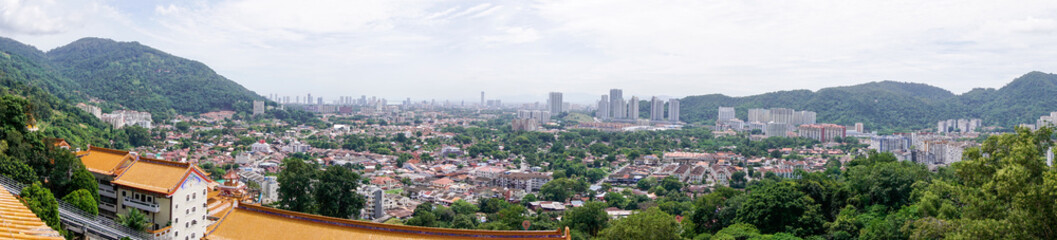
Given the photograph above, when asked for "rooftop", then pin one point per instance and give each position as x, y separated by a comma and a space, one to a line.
19, 222
256, 222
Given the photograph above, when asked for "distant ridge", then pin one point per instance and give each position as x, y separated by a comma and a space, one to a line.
896, 106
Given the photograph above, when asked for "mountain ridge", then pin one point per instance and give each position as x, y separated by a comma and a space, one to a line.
896, 106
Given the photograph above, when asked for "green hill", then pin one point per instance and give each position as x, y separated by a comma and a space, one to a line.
143, 78
896, 106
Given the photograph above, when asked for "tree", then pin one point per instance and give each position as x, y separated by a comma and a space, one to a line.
295, 186
590, 218
706, 215
40, 200
492, 205
737, 179
183, 126
779, 207
528, 198
83, 180
512, 216
134, 220
649, 224
595, 174
138, 136
617, 200
83, 200
561, 189
462, 207
16, 170
336, 193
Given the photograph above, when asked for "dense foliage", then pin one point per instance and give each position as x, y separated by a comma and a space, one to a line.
144, 78
894, 106
304, 187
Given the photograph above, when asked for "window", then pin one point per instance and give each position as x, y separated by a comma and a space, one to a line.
188, 198
188, 211
150, 199
177, 220
194, 209
176, 234
194, 195
123, 193
187, 224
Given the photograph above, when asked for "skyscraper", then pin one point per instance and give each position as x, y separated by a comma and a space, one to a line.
482, 98
656, 109
603, 108
555, 103
673, 110
616, 103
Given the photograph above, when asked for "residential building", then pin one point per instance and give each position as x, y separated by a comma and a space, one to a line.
122, 118
633, 109
725, 114
603, 108
258, 107
554, 103
759, 115
616, 104
889, 143
656, 109
822, 132
673, 110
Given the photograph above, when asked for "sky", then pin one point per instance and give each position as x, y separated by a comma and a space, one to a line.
518, 51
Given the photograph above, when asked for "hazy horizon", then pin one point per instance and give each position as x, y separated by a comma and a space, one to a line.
518, 51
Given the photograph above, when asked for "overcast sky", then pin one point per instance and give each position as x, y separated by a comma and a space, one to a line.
520, 50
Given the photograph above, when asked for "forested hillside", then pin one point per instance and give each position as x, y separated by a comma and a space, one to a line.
896, 106
144, 78
125, 75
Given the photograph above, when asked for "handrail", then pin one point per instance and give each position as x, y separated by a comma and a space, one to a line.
69, 213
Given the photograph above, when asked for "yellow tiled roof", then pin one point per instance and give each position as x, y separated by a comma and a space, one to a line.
260, 223
18, 222
102, 160
153, 175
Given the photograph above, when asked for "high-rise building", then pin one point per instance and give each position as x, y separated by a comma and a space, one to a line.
673, 110
656, 109
782, 115
822, 132
308, 100
482, 98
859, 128
258, 107
633, 108
759, 115
616, 104
603, 108
725, 114
555, 103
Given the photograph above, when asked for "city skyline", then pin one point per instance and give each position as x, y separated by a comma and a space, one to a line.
452, 50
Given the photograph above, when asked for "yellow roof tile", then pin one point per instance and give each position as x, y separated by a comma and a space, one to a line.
103, 160
256, 222
153, 175
18, 222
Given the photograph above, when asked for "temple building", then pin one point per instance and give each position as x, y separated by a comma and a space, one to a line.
172, 195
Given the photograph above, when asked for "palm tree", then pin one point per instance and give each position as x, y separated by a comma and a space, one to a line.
134, 219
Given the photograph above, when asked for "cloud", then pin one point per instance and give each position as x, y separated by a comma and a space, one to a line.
514, 35
453, 49
35, 17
